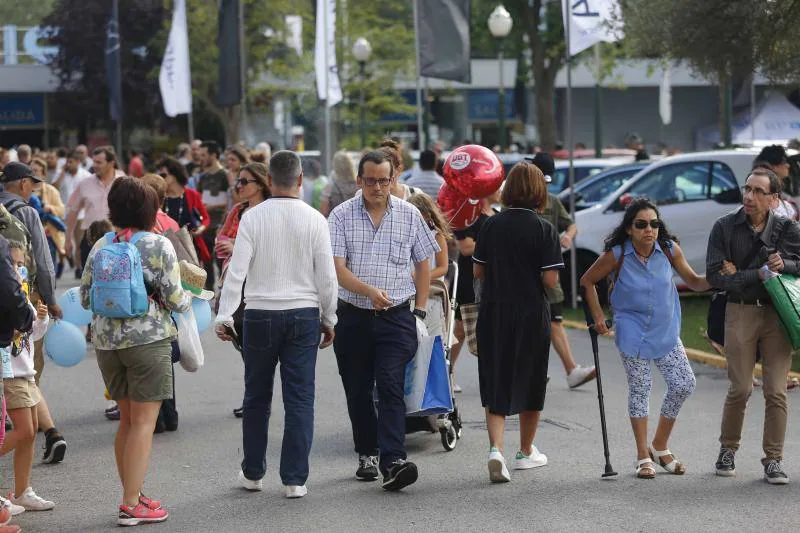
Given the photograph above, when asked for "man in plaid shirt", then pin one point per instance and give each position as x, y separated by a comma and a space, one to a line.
377, 241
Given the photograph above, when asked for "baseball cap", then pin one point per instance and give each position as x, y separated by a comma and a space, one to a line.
16, 171
545, 163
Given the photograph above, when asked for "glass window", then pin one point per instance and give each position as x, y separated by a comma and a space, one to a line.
602, 187
561, 177
722, 179
671, 184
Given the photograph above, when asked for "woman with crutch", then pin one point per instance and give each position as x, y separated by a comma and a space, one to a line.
640, 254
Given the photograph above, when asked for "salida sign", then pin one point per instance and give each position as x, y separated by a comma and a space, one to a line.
21, 111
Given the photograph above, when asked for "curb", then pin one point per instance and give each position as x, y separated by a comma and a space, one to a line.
698, 356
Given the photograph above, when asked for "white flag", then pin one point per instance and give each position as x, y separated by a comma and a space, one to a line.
665, 97
592, 21
175, 79
328, 87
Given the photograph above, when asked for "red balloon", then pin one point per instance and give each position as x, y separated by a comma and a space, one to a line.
459, 210
475, 171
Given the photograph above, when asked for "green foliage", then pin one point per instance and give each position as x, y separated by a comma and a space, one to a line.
25, 13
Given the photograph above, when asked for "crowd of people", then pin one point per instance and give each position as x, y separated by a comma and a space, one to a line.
360, 249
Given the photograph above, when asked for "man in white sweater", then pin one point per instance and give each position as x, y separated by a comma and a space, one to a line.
283, 249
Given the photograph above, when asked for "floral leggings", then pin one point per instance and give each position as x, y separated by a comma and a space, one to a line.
677, 373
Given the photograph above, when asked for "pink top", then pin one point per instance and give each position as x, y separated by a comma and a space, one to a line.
92, 195
164, 222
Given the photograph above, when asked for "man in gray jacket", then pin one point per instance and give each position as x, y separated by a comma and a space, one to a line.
18, 184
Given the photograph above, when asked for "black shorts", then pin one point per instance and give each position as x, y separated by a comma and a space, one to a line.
557, 312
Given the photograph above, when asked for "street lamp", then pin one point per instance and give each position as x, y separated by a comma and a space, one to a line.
500, 23
361, 51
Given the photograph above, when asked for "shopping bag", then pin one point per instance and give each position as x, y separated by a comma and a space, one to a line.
784, 290
189, 341
469, 317
427, 386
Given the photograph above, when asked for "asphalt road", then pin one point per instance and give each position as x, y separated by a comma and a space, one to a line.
194, 469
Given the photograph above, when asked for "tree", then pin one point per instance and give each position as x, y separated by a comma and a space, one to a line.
80, 62
719, 39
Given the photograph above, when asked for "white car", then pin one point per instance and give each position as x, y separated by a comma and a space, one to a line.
691, 191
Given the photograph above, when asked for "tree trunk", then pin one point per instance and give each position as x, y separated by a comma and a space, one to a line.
233, 118
544, 71
725, 111
545, 114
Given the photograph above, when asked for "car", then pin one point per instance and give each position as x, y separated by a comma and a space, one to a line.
596, 188
583, 168
691, 190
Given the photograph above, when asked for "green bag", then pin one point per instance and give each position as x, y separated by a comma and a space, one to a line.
784, 290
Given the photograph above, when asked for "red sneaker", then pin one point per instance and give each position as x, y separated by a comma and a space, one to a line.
10, 529
141, 514
152, 504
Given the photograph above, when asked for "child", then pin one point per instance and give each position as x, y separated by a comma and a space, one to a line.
440, 229
21, 396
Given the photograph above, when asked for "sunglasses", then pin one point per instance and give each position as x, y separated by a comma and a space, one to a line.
242, 182
371, 182
642, 224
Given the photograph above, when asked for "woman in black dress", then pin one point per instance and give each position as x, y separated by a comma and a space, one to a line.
517, 255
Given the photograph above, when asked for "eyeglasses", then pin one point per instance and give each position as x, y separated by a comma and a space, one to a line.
754, 191
642, 224
371, 182
242, 182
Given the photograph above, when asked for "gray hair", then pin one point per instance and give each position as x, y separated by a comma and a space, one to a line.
285, 167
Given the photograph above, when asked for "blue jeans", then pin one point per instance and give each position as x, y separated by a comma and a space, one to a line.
291, 337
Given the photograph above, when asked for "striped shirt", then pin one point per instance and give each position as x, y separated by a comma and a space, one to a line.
381, 256
429, 181
732, 239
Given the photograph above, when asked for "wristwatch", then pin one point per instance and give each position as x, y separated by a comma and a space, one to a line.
421, 313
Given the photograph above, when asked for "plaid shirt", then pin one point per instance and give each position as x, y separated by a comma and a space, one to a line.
382, 257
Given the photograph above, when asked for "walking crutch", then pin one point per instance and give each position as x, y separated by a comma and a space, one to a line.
609, 470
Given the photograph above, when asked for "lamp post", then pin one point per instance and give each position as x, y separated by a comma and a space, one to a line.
361, 51
500, 23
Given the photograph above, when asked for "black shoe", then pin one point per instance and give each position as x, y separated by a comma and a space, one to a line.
774, 474
54, 447
726, 465
171, 421
401, 474
238, 412
159, 425
367, 468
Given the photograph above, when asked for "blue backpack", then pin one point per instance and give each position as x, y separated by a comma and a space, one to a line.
118, 289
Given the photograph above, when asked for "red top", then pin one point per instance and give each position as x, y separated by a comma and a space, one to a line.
195, 204
136, 167
164, 222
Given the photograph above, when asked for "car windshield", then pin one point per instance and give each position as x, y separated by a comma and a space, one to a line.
601, 187
561, 177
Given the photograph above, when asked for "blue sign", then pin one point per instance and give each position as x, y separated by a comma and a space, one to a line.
21, 110
484, 104
410, 98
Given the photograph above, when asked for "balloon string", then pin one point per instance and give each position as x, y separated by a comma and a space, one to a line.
458, 211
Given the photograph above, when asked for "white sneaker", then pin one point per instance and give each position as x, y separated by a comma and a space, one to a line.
294, 491
456, 388
580, 376
250, 484
498, 472
534, 460
32, 502
15, 509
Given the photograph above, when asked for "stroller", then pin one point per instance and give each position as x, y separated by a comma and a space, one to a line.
448, 425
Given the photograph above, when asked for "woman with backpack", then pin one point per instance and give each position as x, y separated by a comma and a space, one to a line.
132, 332
639, 256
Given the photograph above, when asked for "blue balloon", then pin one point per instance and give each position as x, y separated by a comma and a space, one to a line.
65, 344
202, 314
74, 312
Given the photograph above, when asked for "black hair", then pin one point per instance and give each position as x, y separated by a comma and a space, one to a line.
620, 234
774, 154
212, 147
175, 168
427, 160
377, 157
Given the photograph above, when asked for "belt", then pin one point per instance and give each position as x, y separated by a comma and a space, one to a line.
376, 312
758, 302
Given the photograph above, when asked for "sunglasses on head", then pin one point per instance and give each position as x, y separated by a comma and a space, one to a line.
642, 224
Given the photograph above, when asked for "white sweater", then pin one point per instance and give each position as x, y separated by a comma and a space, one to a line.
283, 249
22, 363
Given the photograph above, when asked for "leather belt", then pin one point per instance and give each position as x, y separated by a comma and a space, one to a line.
376, 312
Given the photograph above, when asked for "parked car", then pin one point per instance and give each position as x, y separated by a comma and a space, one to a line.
583, 168
692, 191
596, 188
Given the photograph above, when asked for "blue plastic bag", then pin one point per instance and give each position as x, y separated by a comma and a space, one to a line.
427, 385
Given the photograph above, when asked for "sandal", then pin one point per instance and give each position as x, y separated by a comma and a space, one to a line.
673, 467
645, 469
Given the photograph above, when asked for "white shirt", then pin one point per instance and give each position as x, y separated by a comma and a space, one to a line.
71, 181
283, 249
22, 363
